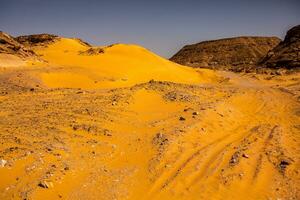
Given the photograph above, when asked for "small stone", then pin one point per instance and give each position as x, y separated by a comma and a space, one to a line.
181, 118
245, 155
233, 160
195, 113
283, 164
2, 163
45, 184
75, 128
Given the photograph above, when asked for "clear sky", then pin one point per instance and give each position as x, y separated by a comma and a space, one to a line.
162, 26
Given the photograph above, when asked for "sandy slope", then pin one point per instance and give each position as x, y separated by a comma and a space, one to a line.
9, 60
118, 66
98, 127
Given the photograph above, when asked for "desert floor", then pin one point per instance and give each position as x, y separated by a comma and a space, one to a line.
236, 136
156, 140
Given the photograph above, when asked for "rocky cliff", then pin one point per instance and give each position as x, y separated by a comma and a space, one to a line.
287, 53
235, 54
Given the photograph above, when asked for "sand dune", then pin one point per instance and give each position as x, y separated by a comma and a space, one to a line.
115, 66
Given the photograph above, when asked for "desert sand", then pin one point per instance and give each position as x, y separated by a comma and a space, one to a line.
119, 122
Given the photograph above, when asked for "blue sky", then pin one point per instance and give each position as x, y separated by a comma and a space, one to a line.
162, 26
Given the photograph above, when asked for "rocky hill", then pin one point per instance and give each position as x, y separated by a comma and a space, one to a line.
287, 53
235, 54
9, 45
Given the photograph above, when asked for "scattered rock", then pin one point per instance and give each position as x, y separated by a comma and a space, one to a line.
85, 127
160, 139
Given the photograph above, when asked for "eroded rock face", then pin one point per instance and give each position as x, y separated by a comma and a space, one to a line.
230, 53
287, 53
9, 45
37, 39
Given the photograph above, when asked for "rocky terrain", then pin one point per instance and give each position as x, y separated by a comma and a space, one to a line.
120, 122
9, 45
234, 54
287, 53
39, 39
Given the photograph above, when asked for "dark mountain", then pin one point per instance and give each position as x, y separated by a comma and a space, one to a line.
287, 53
236, 54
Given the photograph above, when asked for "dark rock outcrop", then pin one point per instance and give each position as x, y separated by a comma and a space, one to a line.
38, 39
236, 54
287, 53
9, 45
92, 51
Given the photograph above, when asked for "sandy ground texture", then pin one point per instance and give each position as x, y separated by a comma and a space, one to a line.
84, 127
